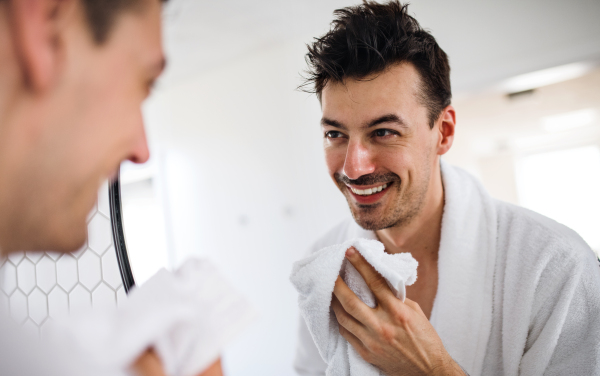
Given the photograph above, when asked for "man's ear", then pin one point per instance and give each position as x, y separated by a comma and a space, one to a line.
38, 28
445, 128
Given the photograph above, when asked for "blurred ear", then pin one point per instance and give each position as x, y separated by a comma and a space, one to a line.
38, 28
445, 127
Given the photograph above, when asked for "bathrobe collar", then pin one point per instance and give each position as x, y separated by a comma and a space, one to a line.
462, 309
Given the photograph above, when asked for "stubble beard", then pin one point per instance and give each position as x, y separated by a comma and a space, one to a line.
398, 213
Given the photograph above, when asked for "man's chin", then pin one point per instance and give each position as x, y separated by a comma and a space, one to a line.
66, 236
369, 221
69, 244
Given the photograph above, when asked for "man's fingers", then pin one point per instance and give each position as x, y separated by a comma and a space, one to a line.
374, 280
346, 320
355, 342
414, 305
351, 303
148, 364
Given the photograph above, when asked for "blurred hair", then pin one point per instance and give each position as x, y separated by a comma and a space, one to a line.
101, 14
366, 39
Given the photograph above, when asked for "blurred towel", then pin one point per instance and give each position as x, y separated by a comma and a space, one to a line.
187, 316
314, 278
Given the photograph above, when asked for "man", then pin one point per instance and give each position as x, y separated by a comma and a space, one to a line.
73, 74
500, 290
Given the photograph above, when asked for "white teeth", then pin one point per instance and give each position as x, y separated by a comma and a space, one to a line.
369, 191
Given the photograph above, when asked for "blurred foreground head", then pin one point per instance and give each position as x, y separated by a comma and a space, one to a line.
73, 75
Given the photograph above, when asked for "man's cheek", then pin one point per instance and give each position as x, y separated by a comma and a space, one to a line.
335, 161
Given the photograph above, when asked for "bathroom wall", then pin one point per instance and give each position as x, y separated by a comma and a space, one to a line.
537, 149
40, 286
242, 165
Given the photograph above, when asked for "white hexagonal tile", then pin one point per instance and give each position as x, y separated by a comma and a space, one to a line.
4, 304
104, 297
26, 276
93, 212
80, 300
30, 327
110, 270
45, 271
99, 233
34, 256
80, 251
66, 272
54, 255
46, 330
16, 257
18, 306
58, 303
8, 278
121, 296
103, 200
90, 273
38, 306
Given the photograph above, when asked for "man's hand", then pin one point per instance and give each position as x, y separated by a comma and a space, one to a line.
148, 364
396, 337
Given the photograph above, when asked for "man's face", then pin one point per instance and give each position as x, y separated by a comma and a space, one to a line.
379, 148
84, 127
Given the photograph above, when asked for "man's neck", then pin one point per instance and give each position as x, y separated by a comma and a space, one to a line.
421, 236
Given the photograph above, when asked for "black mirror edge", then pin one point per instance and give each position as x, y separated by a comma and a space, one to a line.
116, 220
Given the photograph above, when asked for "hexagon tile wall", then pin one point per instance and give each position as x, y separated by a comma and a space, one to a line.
36, 286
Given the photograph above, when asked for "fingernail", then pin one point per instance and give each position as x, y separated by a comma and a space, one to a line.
350, 252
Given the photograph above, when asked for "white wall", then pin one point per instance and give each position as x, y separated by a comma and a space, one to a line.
38, 287
248, 187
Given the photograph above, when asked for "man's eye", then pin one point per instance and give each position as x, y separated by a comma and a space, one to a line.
383, 132
333, 134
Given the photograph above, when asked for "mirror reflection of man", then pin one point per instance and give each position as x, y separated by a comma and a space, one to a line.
500, 290
73, 74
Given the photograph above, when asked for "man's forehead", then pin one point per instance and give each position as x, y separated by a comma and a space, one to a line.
397, 82
395, 89
139, 33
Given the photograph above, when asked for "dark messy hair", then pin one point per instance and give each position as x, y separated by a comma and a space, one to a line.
366, 39
101, 15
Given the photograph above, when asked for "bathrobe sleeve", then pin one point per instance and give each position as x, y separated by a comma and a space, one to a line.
564, 332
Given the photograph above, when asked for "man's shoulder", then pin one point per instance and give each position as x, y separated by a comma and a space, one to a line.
336, 235
537, 236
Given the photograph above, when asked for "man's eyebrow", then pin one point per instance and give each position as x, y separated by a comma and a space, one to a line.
389, 118
332, 123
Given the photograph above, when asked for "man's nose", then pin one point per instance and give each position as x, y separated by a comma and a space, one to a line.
358, 160
140, 152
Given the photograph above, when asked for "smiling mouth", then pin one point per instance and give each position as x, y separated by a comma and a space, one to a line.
369, 191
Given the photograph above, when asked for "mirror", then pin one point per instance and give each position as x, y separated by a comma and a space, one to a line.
138, 225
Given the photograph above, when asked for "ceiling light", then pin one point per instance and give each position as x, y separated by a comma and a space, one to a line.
569, 120
545, 77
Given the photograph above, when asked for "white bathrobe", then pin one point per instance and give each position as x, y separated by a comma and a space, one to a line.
518, 293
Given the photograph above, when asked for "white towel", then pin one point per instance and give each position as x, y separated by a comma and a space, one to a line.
314, 277
187, 316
